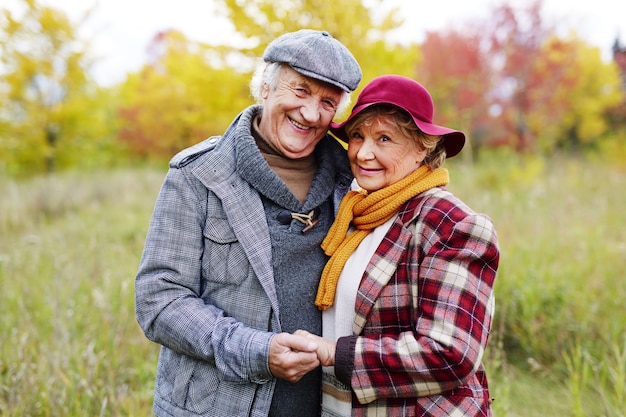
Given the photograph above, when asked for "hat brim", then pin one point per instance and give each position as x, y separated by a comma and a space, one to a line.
321, 77
454, 140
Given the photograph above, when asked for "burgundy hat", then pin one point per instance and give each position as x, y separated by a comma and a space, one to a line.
410, 96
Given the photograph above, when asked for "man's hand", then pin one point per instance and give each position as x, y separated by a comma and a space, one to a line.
325, 350
292, 356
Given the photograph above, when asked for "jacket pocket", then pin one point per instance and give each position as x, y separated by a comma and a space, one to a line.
224, 260
195, 386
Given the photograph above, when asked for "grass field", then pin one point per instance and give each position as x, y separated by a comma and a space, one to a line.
70, 246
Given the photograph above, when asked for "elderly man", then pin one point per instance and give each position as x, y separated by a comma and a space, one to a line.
232, 258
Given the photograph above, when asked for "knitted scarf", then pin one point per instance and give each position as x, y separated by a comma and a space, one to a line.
366, 212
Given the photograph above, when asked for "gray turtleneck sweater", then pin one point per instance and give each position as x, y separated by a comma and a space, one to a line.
296, 256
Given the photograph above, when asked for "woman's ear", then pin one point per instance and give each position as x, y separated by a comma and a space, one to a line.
421, 155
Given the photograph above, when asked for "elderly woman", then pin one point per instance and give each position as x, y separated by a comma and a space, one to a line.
408, 291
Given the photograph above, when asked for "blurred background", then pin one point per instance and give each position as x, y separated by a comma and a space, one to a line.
96, 97
141, 81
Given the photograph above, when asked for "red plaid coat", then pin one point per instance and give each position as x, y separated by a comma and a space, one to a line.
423, 314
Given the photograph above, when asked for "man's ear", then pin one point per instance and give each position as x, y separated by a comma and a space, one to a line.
265, 90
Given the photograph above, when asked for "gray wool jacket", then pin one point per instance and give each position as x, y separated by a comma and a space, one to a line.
205, 289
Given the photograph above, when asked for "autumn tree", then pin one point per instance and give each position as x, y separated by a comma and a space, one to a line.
457, 71
362, 29
189, 90
575, 89
506, 80
511, 80
515, 38
185, 93
47, 98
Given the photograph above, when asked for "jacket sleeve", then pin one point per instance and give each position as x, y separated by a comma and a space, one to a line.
168, 286
451, 266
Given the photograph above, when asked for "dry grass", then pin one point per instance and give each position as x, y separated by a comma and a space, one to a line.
70, 246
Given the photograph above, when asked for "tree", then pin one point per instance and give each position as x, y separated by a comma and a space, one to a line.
190, 90
515, 37
457, 72
352, 23
551, 92
185, 94
576, 90
44, 86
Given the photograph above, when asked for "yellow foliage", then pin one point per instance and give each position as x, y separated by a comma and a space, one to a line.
179, 100
44, 89
572, 110
350, 21
193, 90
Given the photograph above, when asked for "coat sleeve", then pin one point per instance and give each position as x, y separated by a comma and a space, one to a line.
169, 307
451, 267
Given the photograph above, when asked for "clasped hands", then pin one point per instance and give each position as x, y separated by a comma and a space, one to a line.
294, 355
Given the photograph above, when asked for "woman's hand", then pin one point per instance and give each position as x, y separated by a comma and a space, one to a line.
325, 350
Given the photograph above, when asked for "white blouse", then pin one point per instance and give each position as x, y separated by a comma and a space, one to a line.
337, 319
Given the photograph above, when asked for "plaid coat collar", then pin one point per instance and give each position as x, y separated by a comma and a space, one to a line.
377, 273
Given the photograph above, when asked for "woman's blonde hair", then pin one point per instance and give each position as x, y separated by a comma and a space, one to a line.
435, 151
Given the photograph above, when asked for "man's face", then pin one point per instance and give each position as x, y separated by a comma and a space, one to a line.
297, 113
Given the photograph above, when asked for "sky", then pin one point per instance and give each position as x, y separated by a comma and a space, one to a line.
122, 29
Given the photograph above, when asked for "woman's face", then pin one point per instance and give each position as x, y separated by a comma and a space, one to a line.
380, 154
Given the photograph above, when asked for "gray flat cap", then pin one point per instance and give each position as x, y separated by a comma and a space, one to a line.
318, 55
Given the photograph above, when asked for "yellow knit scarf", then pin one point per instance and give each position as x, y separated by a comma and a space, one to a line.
366, 212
